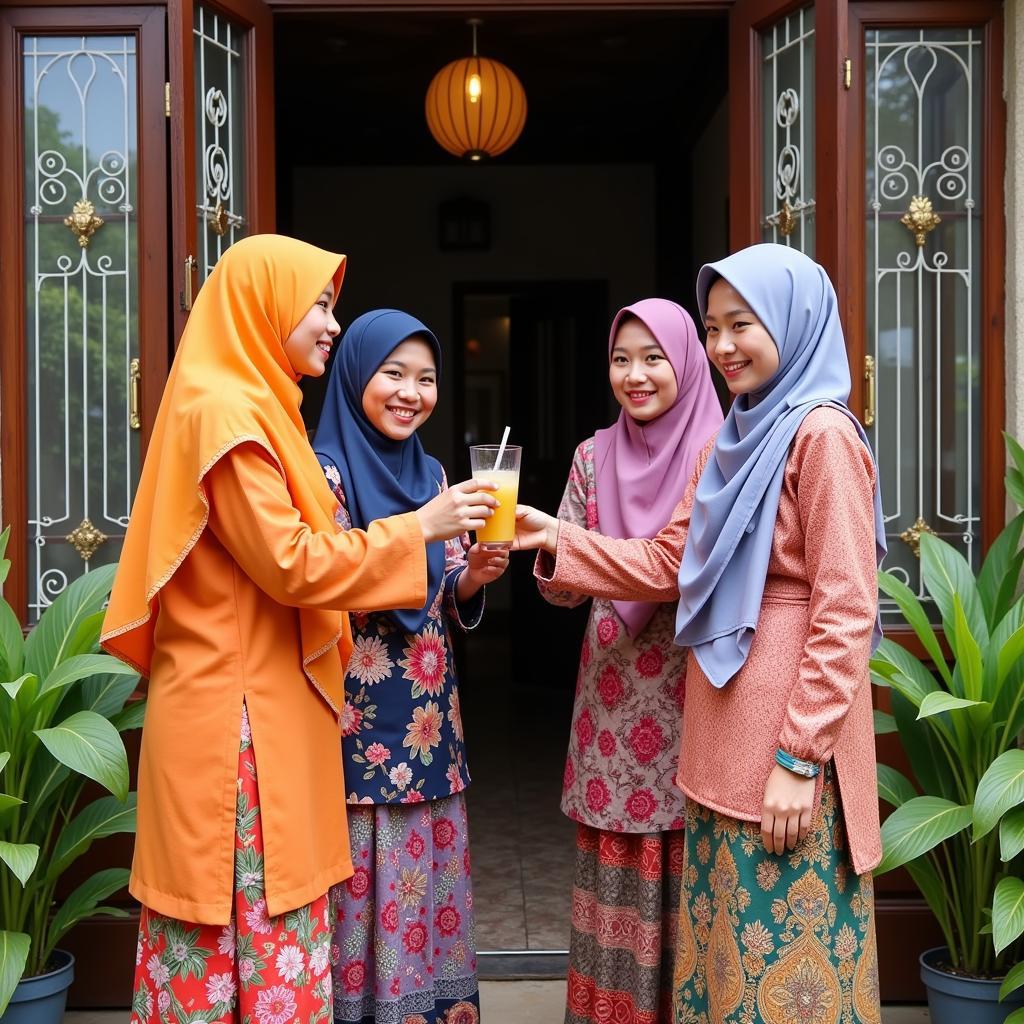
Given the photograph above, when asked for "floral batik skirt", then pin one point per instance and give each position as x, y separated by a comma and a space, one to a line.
774, 940
257, 969
405, 931
625, 905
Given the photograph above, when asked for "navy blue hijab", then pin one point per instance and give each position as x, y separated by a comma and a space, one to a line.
380, 477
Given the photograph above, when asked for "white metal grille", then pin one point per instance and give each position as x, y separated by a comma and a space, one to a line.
220, 135
80, 142
924, 159
787, 122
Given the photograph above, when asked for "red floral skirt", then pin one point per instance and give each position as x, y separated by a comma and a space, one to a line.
625, 908
257, 968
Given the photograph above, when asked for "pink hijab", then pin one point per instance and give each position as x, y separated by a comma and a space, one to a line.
642, 469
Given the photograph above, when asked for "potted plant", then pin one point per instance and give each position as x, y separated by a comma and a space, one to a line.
958, 721
63, 706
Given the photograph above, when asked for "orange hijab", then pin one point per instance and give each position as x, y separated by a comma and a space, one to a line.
231, 383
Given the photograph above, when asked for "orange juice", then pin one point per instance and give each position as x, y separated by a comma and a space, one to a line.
501, 527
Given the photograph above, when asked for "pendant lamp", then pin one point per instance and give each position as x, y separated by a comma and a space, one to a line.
475, 106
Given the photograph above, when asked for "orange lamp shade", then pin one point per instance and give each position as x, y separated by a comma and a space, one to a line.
476, 107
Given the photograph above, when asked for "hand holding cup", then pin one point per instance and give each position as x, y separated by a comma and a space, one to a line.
463, 507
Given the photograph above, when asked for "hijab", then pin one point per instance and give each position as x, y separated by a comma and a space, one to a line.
642, 469
231, 383
725, 561
380, 477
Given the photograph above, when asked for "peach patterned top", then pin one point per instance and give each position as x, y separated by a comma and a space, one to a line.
621, 764
805, 685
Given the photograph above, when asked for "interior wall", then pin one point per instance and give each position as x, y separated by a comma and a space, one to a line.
547, 223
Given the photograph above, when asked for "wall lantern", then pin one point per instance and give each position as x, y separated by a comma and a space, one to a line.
475, 106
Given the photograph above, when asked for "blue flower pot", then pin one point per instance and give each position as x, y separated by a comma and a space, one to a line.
953, 999
40, 1000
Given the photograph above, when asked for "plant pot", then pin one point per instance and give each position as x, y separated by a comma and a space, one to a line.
40, 1000
953, 999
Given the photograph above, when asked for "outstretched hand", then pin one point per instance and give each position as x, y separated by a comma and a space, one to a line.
463, 507
535, 530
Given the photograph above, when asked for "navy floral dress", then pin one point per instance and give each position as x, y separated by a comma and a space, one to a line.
404, 949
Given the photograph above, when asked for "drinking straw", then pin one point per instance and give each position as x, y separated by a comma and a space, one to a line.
501, 448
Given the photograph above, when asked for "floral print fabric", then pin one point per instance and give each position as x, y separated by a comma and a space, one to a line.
405, 932
774, 940
625, 908
402, 739
256, 969
624, 742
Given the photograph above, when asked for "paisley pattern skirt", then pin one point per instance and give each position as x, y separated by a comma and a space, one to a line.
405, 937
256, 969
625, 906
774, 940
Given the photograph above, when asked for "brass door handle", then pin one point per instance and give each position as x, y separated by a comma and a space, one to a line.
869, 391
135, 394
186, 295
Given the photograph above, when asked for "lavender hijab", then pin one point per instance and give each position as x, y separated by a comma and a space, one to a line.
725, 561
642, 469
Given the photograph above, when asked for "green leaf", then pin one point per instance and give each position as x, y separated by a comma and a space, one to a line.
14, 948
947, 575
87, 743
894, 787
1000, 788
918, 826
1009, 656
1015, 450
927, 879
928, 763
936, 703
106, 694
1013, 981
7, 802
968, 652
82, 666
1017, 1017
1007, 912
5, 756
884, 723
12, 641
132, 717
50, 641
20, 858
104, 817
87, 637
1011, 834
13, 687
85, 900
914, 613
1001, 566
907, 674
1015, 486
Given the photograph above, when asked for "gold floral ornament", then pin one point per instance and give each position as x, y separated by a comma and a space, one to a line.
912, 535
86, 539
218, 220
83, 222
787, 220
920, 218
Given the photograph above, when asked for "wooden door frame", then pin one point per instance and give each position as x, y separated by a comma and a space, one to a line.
947, 13
44, 17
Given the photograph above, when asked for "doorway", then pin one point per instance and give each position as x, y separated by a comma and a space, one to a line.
616, 190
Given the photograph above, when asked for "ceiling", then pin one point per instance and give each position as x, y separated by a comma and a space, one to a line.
601, 86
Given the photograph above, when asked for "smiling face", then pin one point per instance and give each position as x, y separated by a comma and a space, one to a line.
642, 379
738, 345
309, 345
402, 394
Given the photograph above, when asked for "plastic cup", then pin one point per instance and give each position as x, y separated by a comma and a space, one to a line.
500, 530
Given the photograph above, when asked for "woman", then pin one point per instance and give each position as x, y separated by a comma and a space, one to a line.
778, 605
229, 598
405, 919
619, 782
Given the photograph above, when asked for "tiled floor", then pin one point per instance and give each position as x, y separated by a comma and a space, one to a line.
519, 1002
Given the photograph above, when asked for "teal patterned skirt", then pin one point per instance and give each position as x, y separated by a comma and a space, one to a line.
774, 940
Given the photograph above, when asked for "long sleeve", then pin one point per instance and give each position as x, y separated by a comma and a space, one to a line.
464, 615
252, 515
638, 569
574, 509
835, 500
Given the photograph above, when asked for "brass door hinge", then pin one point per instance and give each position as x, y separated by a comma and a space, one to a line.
167, 99
847, 73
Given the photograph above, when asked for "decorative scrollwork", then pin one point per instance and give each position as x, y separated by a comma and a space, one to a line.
920, 218
83, 222
911, 536
86, 539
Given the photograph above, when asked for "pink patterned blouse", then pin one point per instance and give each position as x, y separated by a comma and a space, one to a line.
624, 741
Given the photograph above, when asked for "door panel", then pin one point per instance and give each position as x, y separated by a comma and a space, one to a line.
87, 247
222, 112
